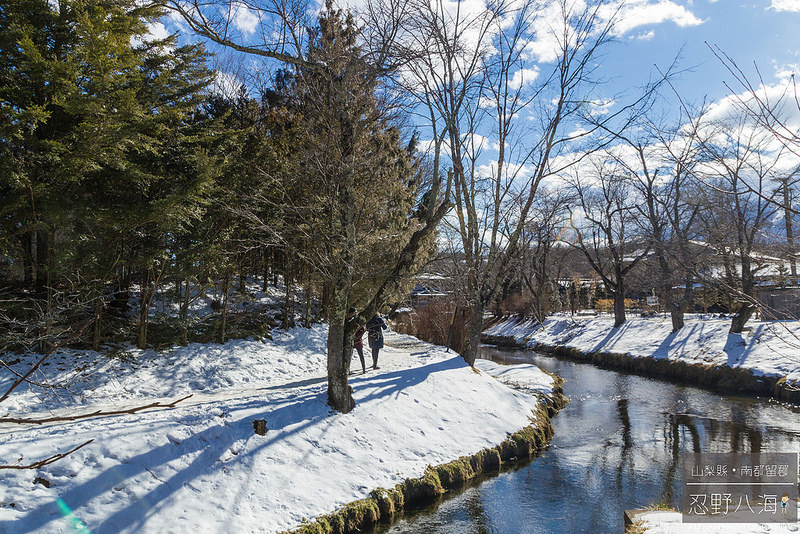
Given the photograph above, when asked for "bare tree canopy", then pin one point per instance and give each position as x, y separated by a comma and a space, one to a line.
270, 29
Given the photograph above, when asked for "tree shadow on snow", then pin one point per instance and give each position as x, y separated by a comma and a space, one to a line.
738, 349
392, 383
613, 335
211, 443
669, 344
299, 412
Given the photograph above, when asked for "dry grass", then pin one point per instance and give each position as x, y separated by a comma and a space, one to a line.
431, 322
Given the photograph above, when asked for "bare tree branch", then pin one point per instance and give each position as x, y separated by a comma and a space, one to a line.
46, 461
98, 413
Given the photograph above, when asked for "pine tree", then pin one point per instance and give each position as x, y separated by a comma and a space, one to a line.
360, 186
99, 159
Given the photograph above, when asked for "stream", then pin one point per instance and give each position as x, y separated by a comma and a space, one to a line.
618, 445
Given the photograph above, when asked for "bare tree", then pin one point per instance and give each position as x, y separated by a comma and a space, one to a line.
540, 246
279, 32
660, 164
473, 84
762, 104
606, 232
737, 170
681, 208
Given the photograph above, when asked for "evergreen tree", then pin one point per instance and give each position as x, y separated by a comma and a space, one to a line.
363, 185
99, 160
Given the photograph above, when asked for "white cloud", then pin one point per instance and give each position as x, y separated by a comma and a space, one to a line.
468, 27
479, 142
644, 36
627, 15
226, 84
176, 19
786, 5
578, 132
156, 31
777, 148
244, 19
510, 170
549, 30
785, 72
635, 13
602, 106
523, 77
426, 146
486, 102
781, 91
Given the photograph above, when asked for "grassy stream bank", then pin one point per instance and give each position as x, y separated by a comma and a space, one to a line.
386, 505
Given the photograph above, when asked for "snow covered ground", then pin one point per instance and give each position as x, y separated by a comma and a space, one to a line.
522, 376
665, 522
767, 347
200, 468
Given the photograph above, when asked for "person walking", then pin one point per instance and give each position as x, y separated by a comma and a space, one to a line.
375, 327
358, 341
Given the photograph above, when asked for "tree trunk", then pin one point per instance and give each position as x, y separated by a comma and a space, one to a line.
242, 280
145, 299
340, 352
184, 315
122, 295
473, 334
680, 307
619, 305
748, 290
288, 301
46, 343
676, 313
274, 262
225, 291
26, 240
741, 318
97, 336
265, 286
141, 335
43, 249
340, 337
309, 302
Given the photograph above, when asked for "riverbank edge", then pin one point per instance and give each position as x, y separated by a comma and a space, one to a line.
718, 378
385, 505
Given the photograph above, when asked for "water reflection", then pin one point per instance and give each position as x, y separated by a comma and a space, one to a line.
618, 445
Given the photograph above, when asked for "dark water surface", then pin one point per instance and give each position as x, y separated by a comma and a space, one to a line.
618, 445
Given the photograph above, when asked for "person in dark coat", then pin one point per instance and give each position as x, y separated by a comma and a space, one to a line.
358, 341
375, 328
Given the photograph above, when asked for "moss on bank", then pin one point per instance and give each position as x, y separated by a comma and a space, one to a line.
385, 504
719, 378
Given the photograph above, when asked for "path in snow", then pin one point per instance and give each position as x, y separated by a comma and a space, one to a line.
199, 467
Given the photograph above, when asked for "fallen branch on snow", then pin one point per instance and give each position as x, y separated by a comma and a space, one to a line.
46, 461
38, 364
98, 413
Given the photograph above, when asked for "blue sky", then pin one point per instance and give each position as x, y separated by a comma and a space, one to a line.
748, 32
766, 32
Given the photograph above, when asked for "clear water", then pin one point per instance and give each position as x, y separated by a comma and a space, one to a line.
618, 445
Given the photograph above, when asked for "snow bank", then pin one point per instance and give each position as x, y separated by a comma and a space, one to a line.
523, 376
665, 522
766, 348
200, 468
